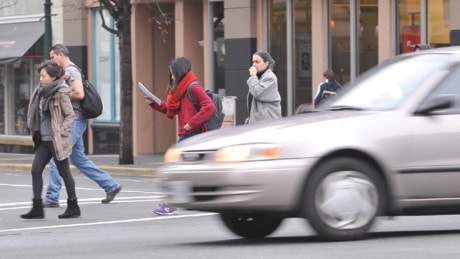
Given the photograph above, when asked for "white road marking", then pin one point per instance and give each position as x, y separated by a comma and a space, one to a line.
89, 200
106, 222
132, 199
81, 188
142, 196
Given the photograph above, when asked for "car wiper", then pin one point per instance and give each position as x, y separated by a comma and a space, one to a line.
343, 108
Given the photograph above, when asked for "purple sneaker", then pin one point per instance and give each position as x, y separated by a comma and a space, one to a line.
165, 209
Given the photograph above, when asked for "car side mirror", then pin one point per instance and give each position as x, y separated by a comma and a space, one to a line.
434, 104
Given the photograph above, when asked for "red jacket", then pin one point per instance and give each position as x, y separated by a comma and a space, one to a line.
188, 113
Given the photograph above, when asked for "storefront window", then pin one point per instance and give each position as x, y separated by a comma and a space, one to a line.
292, 65
20, 7
438, 23
339, 23
414, 27
218, 23
278, 47
17, 82
303, 66
18, 77
23, 72
409, 25
367, 34
353, 38
106, 67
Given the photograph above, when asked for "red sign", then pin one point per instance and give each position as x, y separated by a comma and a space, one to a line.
410, 38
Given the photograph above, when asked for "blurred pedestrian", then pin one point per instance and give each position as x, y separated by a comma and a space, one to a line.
178, 103
264, 100
328, 88
50, 116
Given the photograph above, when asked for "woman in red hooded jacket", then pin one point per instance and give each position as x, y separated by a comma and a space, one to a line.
190, 119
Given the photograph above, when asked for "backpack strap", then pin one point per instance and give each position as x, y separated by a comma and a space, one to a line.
83, 77
190, 95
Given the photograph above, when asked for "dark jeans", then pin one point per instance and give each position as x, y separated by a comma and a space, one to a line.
182, 137
43, 154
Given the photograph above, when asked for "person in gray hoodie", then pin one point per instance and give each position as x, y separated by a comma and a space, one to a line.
264, 100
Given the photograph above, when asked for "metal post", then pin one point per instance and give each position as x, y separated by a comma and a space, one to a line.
48, 32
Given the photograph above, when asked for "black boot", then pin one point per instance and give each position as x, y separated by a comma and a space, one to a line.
36, 212
72, 211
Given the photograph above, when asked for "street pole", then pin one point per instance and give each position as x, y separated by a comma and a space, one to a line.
48, 32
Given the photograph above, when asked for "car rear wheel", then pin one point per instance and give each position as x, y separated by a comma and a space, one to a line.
250, 225
342, 198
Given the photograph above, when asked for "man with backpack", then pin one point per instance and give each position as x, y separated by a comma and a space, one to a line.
60, 55
328, 88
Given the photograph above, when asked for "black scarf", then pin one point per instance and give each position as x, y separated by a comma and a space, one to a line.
46, 93
259, 74
41, 96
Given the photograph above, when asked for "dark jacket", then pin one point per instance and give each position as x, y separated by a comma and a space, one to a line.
331, 85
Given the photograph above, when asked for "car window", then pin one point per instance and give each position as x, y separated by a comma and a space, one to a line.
388, 86
449, 87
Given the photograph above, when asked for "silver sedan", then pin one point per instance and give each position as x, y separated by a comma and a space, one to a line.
388, 144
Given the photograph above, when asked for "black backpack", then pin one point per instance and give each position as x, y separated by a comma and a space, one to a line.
217, 117
91, 105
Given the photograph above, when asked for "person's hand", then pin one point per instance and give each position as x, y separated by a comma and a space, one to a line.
66, 76
252, 71
187, 127
148, 100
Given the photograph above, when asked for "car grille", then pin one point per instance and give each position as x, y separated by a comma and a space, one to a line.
203, 194
196, 156
200, 193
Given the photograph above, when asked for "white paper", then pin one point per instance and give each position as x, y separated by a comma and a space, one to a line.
148, 93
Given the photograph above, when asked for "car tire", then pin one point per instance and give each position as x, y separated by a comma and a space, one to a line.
342, 198
250, 225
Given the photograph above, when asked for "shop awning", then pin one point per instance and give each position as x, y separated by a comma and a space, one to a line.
17, 38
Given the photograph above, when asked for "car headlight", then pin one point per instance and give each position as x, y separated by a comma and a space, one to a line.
241, 153
172, 155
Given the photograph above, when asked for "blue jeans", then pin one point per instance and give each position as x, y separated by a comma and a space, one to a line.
183, 137
81, 161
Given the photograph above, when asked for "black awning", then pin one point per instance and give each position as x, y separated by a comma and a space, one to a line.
17, 38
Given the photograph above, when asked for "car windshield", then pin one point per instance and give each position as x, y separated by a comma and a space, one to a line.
386, 87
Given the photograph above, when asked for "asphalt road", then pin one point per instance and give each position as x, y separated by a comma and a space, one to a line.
127, 228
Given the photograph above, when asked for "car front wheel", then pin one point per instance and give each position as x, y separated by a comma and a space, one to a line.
342, 198
250, 225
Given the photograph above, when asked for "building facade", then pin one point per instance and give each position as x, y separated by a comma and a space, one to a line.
219, 36
23, 48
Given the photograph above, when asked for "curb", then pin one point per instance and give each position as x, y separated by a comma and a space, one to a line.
117, 170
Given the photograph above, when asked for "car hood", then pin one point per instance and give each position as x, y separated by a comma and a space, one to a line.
287, 130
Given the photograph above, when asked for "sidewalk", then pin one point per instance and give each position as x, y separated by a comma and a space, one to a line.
143, 164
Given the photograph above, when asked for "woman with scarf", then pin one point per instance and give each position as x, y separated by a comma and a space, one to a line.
50, 117
264, 100
190, 120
